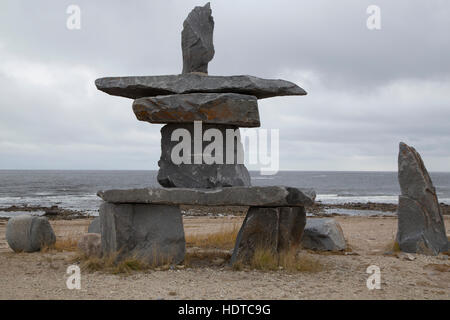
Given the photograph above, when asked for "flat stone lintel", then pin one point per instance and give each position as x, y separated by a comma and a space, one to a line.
271, 196
150, 86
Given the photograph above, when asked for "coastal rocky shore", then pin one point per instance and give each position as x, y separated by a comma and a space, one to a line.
52, 212
318, 209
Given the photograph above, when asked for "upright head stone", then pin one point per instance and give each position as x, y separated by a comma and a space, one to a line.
197, 40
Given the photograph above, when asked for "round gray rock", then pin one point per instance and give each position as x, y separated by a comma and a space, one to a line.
27, 233
323, 234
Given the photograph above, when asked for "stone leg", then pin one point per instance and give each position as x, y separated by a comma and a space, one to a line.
203, 175
153, 233
276, 229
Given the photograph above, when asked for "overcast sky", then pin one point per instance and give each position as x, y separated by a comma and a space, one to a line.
367, 89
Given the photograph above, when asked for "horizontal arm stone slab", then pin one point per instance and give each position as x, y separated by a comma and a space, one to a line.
150, 86
272, 196
211, 108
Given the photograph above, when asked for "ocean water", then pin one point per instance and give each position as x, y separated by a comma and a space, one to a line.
77, 190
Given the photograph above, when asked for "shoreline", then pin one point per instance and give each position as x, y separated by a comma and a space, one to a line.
318, 209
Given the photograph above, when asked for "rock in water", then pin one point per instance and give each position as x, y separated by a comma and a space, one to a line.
200, 175
197, 40
323, 235
210, 108
29, 234
421, 226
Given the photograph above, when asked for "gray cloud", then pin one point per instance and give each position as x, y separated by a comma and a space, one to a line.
367, 89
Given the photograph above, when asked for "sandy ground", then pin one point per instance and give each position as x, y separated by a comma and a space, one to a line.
43, 275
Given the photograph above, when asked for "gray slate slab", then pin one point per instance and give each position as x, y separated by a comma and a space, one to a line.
197, 40
421, 226
150, 86
271, 196
210, 108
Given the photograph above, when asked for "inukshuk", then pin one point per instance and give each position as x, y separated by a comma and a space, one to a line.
147, 222
219, 102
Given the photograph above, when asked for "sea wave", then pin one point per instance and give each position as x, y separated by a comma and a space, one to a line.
88, 203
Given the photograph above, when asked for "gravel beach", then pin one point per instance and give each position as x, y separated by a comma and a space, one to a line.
43, 275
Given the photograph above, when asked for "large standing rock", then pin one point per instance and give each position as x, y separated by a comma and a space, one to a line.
29, 234
90, 245
150, 86
323, 235
94, 226
197, 40
275, 229
200, 175
421, 226
210, 108
153, 233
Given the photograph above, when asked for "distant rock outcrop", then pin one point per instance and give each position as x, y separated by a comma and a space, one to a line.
420, 223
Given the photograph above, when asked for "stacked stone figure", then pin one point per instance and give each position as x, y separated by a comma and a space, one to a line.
147, 222
219, 102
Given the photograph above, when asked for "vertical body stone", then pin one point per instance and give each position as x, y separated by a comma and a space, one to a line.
191, 173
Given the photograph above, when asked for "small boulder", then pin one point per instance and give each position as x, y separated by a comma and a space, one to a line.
90, 245
94, 227
323, 234
27, 233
